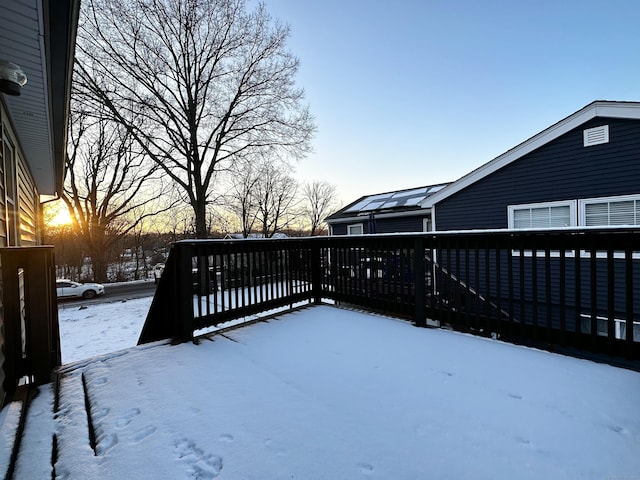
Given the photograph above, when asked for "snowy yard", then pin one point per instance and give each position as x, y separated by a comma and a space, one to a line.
100, 328
325, 393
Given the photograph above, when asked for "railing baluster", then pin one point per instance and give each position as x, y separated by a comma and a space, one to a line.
593, 270
547, 289
497, 323
534, 287
419, 268
562, 295
629, 310
510, 283
611, 322
522, 294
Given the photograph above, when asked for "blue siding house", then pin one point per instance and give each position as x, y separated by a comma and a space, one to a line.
583, 171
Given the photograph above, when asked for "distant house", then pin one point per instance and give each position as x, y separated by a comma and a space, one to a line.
583, 171
390, 212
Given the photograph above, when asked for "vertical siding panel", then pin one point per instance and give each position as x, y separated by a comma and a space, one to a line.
3, 205
27, 205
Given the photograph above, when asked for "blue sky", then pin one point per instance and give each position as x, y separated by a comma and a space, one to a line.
412, 93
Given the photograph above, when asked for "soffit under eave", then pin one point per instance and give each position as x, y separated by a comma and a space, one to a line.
37, 39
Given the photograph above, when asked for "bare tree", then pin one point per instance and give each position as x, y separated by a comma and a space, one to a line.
319, 198
110, 187
274, 197
200, 84
240, 198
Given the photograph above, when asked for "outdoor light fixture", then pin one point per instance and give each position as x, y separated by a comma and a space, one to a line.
12, 78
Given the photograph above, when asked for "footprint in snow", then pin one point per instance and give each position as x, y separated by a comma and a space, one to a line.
515, 396
365, 468
106, 443
226, 438
269, 443
126, 417
202, 466
146, 432
99, 381
99, 413
616, 429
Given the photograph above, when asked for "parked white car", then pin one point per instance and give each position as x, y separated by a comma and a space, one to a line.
67, 288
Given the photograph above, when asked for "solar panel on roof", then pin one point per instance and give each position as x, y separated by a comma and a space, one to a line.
414, 201
404, 198
357, 206
410, 193
373, 205
363, 204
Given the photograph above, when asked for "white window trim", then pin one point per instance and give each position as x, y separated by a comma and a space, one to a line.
361, 225
582, 204
578, 218
572, 204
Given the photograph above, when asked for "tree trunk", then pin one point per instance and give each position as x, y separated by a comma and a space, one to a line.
99, 267
200, 212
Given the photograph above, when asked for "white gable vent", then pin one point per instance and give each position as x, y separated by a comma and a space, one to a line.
596, 135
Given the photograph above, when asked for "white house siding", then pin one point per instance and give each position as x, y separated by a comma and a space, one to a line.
27, 206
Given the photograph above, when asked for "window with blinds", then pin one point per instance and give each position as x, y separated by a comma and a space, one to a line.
542, 216
611, 211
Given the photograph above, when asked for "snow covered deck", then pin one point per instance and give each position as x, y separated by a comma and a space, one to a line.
326, 393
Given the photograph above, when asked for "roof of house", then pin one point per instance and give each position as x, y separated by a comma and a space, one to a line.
599, 108
40, 38
389, 202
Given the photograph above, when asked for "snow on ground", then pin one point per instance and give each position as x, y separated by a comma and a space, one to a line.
90, 330
329, 393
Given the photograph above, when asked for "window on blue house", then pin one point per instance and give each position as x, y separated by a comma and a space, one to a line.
355, 229
624, 210
542, 215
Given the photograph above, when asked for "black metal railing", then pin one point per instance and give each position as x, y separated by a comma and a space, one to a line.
571, 288
205, 283
30, 337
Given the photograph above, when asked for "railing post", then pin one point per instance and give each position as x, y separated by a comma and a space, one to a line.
184, 289
316, 272
30, 315
419, 281
43, 329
